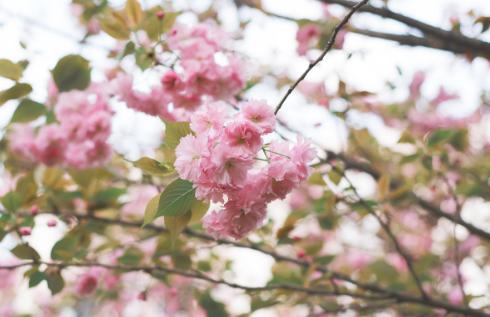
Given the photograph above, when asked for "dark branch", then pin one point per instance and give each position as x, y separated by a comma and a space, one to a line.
322, 55
445, 38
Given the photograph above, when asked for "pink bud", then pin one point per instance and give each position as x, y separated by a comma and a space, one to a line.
296, 238
160, 15
301, 253
174, 291
25, 231
52, 223
34, 210
142, 296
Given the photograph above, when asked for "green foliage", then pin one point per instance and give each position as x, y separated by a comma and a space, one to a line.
12, 201
199, 209
36, 278
56, 283
156, 27
64, 249
132, 256
15, 92
25, 252
72, 72
178, 223
133, 11
154, 168
177, 199
174, 131
212, 307
10, 70
28, 110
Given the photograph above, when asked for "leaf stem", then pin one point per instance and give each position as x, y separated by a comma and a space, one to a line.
276, 153
268, 161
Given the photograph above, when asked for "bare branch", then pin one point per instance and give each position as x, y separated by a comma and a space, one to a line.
445, 38
322, 55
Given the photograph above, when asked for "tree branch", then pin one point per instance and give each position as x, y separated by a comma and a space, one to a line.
322, 55
400, 297
446, 38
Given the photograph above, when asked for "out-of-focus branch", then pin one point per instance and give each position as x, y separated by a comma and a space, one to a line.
322, 55
441, 37
387, 229
355, 308
400, 297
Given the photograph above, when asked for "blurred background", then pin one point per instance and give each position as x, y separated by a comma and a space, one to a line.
44, 31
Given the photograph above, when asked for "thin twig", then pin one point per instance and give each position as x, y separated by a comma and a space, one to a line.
356, 308
386, 228
322, 55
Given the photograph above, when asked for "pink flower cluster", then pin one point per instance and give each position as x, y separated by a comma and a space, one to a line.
219, 161
202, 77
78, 140
307, 38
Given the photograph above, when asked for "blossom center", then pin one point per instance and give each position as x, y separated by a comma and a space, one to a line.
255, 119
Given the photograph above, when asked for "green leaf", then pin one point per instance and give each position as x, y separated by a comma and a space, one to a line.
82, 178
36, 278
28, 110
334, 177
154, 168
438, 136
174, 131
383, 271
27, 187
156, 27
133, 11
142, 58
111, 193
199, 209
129, 48
383, 185
459, 140
114, 29
151, 210
409, 158
176, 224
15, 92
182, 261
10, 70
12, 201
132, 256
72, 72
64, 249
324, 260
258, 303
176, 199
212, 307
55, 283
316, 179
25, 252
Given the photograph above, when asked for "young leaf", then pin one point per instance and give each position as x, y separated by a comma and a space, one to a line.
10, 70
156, 27
128, 49
28, 110
15, 92
151, 210
383, 185
174, 131
154, 168
25, 252
132, 256
72, 72
36, 278
334, 177
177, 224
198, 211
133, 11
65, 248
438, 136
176, 199
324, 260
12, 201
55, 283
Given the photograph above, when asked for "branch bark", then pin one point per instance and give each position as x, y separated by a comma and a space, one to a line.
445, 38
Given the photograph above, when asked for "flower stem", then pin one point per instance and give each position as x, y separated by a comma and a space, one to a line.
268, 161
276, 153
256, 158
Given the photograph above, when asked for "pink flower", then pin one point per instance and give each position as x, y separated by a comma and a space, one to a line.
307, 36
213, 226
52, 223
304, 153
140, 196
281, 147
87, 284
192, 157
242, 138
231, 79
418, 80
201, 77
22, 141
25, 231
50, 145
455, 296
172, 82
230, 169
142, 295
34, 210
209, 119
259, 114
443, 96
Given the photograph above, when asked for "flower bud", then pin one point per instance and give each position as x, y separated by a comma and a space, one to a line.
160, 15
34, 210
25, 231
52, 223
142, 296
301, 253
